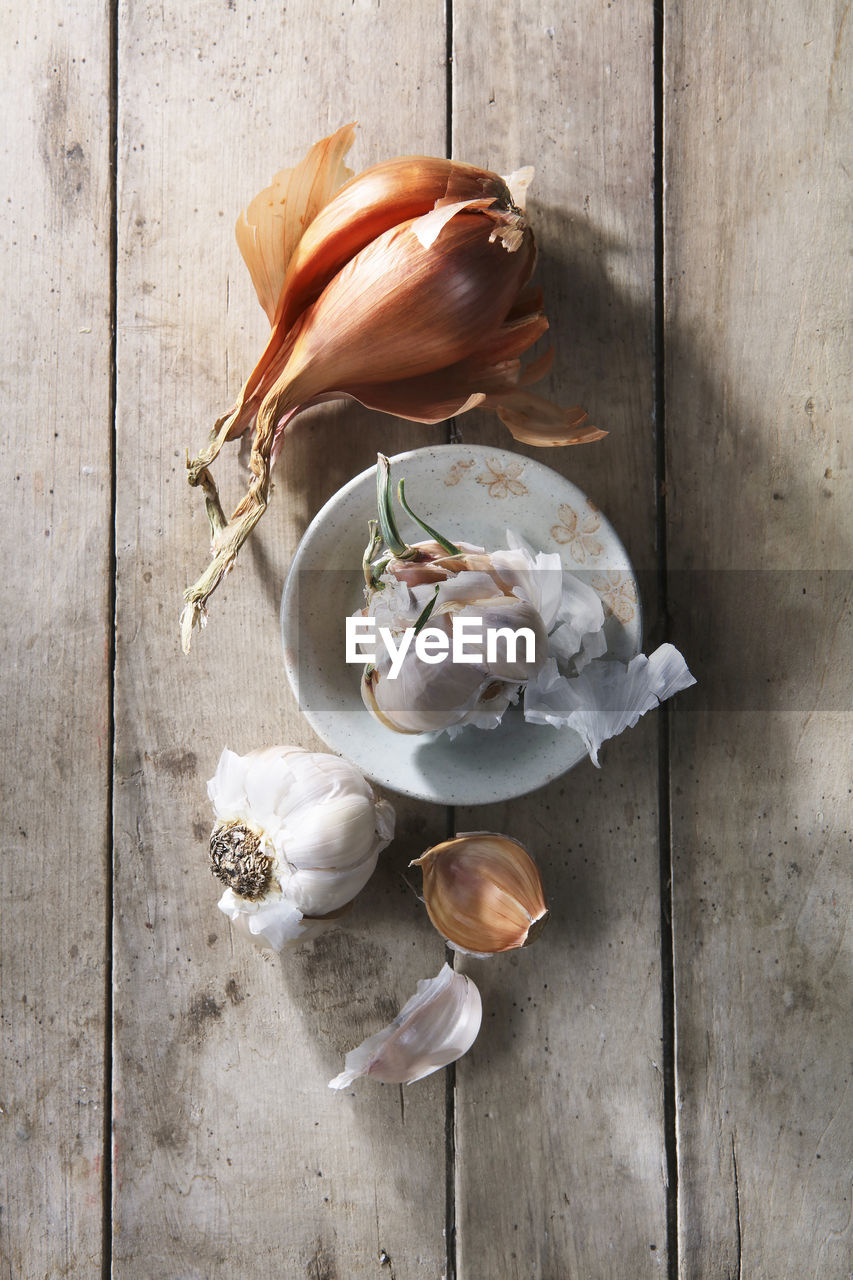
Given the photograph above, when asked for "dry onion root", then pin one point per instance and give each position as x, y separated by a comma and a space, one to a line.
407, 289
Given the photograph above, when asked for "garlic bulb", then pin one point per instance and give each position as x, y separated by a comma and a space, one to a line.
405, 289
498, 598
298, 835
483, 893
425, 697
435, 1027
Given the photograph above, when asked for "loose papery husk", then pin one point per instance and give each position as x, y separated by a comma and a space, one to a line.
572, 684
608, 696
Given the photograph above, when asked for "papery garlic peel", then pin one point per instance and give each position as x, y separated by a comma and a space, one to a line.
435, 1027
407, 290
298, 835
483, 892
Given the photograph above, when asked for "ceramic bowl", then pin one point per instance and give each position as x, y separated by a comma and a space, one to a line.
468, 492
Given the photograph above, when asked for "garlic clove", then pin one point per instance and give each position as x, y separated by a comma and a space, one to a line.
483, 892
435, 1027
516, 662
427, 697
424, 697
316, 808
332, 835
317, 891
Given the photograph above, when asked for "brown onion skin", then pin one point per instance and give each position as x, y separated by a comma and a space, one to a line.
398, 309
371, 203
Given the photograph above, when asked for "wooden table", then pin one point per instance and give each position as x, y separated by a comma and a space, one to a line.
662, 1084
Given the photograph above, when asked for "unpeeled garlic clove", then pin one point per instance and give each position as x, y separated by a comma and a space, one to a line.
434, 1028
483, 892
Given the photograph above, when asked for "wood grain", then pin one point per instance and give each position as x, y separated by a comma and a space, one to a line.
55, 635
232, 1156
758, 398
560, 1141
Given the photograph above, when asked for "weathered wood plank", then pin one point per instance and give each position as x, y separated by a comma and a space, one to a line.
757, 389
559, 1104
232, 1156
55, 635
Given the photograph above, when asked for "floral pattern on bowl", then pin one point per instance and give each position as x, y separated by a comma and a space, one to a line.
502, 479
618, 591
457, 471
576, 530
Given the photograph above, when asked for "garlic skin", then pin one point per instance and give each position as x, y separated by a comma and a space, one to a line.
607, 697
405, 289
483, 893
435, 1027
298, 836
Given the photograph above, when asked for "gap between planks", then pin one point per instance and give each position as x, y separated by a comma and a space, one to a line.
107, 1112
453, 436
667, 956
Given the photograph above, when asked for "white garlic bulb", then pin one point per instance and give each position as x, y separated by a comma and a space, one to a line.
298, 835
434, 1028
423, 696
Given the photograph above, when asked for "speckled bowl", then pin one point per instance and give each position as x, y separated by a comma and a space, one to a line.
473, 493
